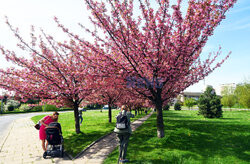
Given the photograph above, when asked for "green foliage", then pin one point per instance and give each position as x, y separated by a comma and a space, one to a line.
93, 106
209, 104
1, 108
190, 139
5, 98
177, 106
228, 100
37, 108
25, 107
48, 107
11, 108
190, 102
11, 105
242, 92
32, 101
166, 107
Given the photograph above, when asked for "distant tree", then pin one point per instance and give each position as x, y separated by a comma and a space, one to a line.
242, 92
229, 100
108, 92
189, 102
209, 104
3, 101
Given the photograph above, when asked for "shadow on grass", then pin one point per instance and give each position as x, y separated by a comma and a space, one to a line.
189, 141
75, 143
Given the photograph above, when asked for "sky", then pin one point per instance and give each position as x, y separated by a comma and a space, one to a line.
233, 34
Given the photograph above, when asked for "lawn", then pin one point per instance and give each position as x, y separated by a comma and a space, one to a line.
95, 125
190, 138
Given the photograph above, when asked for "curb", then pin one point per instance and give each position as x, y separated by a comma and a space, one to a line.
4, 138
78, 155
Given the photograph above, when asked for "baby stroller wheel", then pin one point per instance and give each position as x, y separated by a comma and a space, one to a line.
44, 155
62, 154
62, 151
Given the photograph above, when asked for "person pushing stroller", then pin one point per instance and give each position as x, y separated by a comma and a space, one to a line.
55, 140
44, 124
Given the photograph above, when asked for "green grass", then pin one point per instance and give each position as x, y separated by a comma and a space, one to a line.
95, 125
190, 138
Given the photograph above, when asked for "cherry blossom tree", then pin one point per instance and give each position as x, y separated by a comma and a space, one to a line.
109, 91
132, 101
52, 72
157, 51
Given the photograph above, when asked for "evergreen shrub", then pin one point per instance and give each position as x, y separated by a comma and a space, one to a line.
177, 106
209, 104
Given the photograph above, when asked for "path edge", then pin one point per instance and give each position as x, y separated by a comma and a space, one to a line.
79, 154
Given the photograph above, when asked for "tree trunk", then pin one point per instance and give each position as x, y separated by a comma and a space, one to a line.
110, 113
160, 124
2, 106
76, 114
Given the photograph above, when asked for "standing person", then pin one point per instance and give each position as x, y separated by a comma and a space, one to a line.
45, 123
80, 115
123, 133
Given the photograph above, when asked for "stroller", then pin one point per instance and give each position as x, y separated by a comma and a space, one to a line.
55, 140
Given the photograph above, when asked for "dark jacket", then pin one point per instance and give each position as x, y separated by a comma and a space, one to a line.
128, 130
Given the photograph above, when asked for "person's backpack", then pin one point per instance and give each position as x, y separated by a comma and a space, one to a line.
122, 121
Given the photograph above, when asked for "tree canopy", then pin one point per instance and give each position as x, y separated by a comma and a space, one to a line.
155, 54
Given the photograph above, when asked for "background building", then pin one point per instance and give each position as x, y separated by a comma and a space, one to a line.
227, 88
194, 95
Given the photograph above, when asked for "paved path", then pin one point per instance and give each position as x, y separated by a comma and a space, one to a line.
99, 151
6, 120
22, 145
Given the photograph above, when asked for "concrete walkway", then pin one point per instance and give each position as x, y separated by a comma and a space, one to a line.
22, 145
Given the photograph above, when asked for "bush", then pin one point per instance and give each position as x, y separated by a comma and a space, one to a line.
177, 106
11, 105
37, 108
209, 104
49, 107
94, 106
25, 107
166, 107
11, 108
189, 102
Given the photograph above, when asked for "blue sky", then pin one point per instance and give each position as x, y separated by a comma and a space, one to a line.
233, 34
